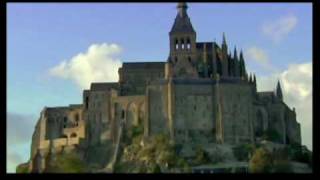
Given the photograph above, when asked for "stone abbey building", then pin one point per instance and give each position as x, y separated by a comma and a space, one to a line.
201, 94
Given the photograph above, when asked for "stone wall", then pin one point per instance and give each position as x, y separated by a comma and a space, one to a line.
134, 77
237, 112
194, 116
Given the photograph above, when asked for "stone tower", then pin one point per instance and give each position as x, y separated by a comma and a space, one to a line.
182, 45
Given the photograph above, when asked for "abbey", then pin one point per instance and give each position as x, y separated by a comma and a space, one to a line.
202, 94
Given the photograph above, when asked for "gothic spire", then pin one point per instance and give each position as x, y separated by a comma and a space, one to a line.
182, 9
235, 54
224, 42
242, 65
236, 63
182, 23
279, 91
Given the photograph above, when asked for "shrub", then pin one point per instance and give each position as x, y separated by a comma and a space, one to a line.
243, 151
22, 168
202, 156
299, 153
67, 163
137, 130
155, 153
261, 161
272, 135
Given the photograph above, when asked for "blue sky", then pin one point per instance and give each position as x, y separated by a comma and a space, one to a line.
276, 39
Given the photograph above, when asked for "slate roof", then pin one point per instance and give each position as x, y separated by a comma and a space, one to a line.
182, 25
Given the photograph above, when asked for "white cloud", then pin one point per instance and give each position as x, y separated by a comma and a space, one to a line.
259, 56
98, 64
280, 28
296, 83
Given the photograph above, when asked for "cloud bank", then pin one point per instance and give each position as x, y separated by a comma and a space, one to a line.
296, 83
98, 64
278, 29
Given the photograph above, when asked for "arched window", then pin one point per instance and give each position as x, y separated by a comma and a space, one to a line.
188, 44
189, 59
76, 117
176, 44
122, 114
182, 43
175, 59
73, 135
87, 102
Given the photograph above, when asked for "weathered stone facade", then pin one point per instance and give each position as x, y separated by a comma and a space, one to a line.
201, 95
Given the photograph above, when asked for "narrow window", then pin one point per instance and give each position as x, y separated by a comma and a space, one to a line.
122, 114
188, 44
182, 44
87, 102
76, 117
176, 44
189, 59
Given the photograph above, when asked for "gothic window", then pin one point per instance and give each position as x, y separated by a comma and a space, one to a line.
189, 59
182, 43
76, 117
176, 44
122, 114
175, 59
188, 44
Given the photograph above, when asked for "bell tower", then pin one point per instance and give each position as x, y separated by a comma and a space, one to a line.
182, 44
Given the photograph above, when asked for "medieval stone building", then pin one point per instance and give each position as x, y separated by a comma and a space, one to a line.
201, 94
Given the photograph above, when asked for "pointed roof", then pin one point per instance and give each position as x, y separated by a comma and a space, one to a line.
182, 23
235, 54
279, 90
224, 41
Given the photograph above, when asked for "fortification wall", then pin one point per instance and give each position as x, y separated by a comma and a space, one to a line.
237, 112
194, 113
